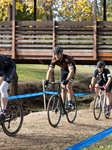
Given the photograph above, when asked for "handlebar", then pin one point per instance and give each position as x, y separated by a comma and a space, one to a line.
99, 87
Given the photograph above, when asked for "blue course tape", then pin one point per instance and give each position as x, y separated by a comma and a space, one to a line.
26, 95
41, 93
91, 140
82, 94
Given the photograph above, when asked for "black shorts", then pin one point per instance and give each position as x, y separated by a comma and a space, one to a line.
9, 71
101, 83
65, 73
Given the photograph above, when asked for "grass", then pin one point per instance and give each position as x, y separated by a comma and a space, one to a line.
35, 72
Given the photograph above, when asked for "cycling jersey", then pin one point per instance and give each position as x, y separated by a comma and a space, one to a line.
102, 75
65, 63
7, 67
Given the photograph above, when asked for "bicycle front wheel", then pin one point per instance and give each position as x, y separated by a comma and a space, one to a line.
97, 107
14, 118
54, 110
71, 115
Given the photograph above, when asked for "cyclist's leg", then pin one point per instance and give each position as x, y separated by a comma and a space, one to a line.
99, 83
63, 77
8, 74
108, 98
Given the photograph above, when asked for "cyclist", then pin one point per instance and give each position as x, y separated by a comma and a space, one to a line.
68, 71
7, 70
105, 80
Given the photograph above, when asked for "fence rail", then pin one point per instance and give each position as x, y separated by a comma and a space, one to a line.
33, 41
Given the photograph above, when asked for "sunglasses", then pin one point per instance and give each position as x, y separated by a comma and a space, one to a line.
99, 67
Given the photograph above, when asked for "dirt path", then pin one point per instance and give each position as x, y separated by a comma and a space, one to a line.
37, 134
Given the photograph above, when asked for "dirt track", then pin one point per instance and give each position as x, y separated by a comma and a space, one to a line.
37, 134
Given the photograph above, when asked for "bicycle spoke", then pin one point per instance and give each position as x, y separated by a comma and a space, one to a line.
54, 110
97, 107
71, 115
14, 118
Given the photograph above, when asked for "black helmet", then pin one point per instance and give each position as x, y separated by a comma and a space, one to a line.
100, 64
57, 50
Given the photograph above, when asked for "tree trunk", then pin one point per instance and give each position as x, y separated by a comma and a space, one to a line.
13, 86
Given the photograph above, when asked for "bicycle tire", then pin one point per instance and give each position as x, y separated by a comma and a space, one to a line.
97, 107
71, 115
14, 118
54, 110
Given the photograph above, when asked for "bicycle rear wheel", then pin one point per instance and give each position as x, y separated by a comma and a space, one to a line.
97, 107
71, 115
54, 110
14, 118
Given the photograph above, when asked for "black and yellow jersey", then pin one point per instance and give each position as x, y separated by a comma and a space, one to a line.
65, 63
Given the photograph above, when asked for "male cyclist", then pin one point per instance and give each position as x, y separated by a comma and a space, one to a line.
68, 71
105, 80
7, 70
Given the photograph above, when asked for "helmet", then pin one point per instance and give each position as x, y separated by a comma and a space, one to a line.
57, 50
100, 64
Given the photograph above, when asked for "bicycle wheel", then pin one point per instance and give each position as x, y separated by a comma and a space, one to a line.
54, 110
14, 118
71, 115
97, 107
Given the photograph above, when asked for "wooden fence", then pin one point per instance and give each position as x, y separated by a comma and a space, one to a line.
33, 41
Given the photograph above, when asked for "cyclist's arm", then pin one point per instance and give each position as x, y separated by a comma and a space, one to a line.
70, 74
49, 72
93, 81
108, 82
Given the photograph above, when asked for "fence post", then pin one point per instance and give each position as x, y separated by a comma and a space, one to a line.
44, 95
95, 31
13, 28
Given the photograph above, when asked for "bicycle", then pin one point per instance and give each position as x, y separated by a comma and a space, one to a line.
14, 118
100, 103
56, 107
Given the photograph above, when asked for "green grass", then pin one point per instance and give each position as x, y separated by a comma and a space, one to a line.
35, 72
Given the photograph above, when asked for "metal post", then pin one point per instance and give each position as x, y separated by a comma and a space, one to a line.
95, 31
13, 28
44, 95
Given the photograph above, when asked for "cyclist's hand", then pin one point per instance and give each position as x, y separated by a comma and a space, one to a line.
46, 82
65, 82
90, 86
105, 87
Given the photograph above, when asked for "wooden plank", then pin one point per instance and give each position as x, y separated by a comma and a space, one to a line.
74, 23
104, 46
74, 29
104, 23
6, 32
5, 36
104, 33
104, 41
4, 45
6, 41
7, 23
34, 23
35, 33
35, 50
74, 33
37, 45
37, 41
34, 36
5, 28
75, 41
33, 29
64, 37
105, 37
105, 54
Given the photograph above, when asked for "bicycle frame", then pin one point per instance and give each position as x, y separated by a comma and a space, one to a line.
102, 101
59, 94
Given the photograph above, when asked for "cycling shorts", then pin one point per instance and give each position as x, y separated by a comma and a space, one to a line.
101, 83
64, 75
9, 71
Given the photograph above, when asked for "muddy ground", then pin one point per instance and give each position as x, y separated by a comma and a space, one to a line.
37, 134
